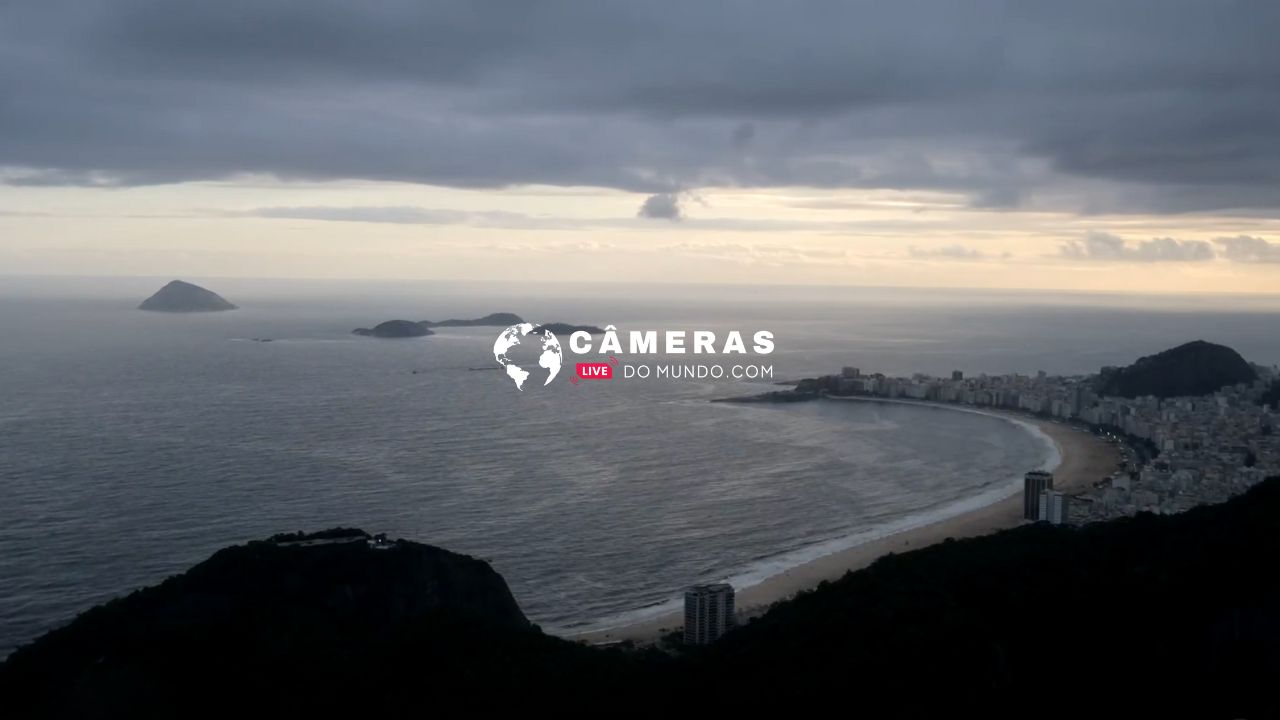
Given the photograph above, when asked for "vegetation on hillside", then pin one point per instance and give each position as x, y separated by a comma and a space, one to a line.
1151, 616
1194, 368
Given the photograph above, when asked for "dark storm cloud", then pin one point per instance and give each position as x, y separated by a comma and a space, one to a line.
663, 206
1103, 107
997, 198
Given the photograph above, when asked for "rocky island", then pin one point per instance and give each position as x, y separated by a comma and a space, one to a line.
420, 328
559, 328
502, 319
410, 328
395, 329
183, 297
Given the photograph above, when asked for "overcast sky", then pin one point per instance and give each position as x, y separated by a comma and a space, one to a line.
1110, 145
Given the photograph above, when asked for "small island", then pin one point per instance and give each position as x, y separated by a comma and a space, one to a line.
392, 329
420, 328
183, 297
559, 328
501, 319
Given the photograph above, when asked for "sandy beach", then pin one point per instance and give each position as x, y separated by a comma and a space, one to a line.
1084, 460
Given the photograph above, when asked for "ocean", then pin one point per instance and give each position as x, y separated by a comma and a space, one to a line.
133, 444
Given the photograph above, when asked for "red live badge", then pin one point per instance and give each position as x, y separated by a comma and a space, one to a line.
595, 371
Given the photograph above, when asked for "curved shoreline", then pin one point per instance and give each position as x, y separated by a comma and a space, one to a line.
1076, 457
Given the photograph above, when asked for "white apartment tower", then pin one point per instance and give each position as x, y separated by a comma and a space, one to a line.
1054, 507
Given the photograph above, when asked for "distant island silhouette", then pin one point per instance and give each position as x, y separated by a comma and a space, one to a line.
559, 328
421, 328
184, 297
500, 319
395, 329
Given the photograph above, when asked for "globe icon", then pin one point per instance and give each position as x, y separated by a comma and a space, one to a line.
551, 358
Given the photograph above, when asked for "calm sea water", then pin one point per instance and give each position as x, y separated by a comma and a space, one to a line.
133, 445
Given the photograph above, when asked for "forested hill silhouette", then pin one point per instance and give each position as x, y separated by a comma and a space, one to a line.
1196, 368
1150, 616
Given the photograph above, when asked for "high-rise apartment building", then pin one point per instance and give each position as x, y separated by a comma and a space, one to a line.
708, 612
1054, 507
1034, 483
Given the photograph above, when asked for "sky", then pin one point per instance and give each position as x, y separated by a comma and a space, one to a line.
1105, 146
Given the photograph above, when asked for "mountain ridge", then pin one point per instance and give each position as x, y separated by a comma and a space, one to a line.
981, 622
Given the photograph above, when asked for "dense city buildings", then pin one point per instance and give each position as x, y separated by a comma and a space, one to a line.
708, 612
1179, 451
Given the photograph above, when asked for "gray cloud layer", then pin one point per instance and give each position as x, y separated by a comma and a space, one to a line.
1161, 106
395, 215
1105, 246
949, 252
1244, 248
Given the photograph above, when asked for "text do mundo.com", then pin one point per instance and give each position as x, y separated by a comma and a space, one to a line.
672, 342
